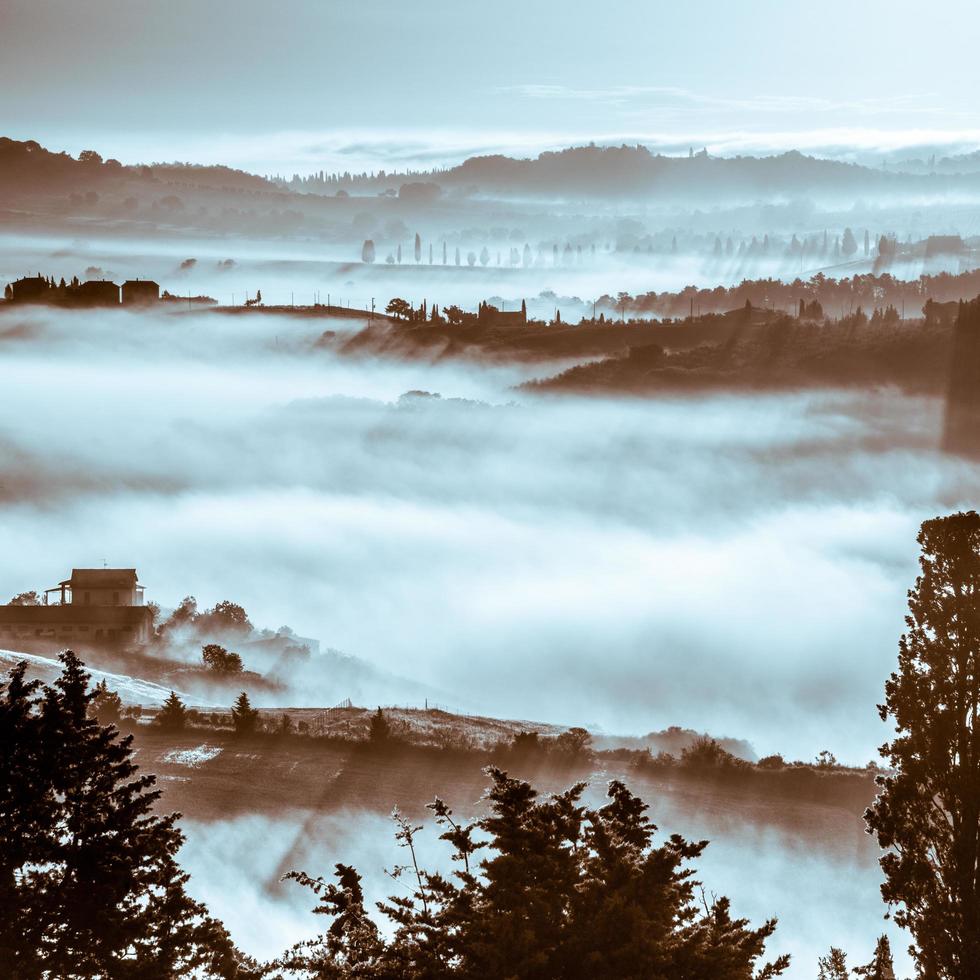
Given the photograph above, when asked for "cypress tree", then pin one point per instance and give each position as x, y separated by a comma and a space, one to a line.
927, 814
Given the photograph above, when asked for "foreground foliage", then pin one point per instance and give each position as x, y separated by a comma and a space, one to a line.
89, 882
567, 891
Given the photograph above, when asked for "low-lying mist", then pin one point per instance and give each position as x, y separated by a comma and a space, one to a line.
732, 564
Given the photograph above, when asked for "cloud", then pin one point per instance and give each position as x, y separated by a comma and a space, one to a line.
736, 564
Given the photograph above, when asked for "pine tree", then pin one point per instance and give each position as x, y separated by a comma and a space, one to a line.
881, 966
927, 814
89, 883
833, 966
172, 717
379, 731
565, 891
244, 717
106, 704
418, 248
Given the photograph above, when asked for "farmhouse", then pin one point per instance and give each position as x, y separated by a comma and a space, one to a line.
140, 292
94, 608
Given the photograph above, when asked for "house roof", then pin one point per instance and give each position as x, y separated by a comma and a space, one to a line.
102, 578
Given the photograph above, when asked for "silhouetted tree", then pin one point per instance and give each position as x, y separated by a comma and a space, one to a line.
367, 251
881, 966
220, 660
244, 717
454, 315
26, 599
418, 248
927, 815
484, 256
833, 966
400, 308
849, 244
172, 716
106, 705
89, 884
379, 730
566, 891
226, 616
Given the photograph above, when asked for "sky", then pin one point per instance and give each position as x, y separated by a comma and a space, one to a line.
299, 86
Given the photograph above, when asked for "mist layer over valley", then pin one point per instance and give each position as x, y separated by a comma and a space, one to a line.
736, 564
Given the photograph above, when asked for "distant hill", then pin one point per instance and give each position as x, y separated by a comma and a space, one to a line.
626, 172
28, 167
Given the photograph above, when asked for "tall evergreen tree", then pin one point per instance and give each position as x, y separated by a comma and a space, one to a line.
172, 716
106, 705
881, 966
833, 966
379, 730
89, 883
927, 814
244, 717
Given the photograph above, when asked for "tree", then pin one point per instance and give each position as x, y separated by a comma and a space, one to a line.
833, 966
471, 259
26, 599
484, 256
106, 705
418, 248
227, 616
399, 308
881, 966
244, 717
453, 315
368, 251
172, 716
565, 891
379, 731
927, 814
849, 243
575, 742
89, 883
220, 660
